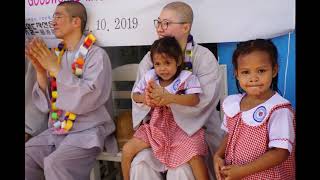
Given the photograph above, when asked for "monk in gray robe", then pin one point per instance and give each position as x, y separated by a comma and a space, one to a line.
73, 84
175, 20
35, 120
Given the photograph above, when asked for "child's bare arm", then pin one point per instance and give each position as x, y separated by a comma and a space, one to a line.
184, 99
161, 97
271, 158
218, 157
138, 98
222, 147
199, 168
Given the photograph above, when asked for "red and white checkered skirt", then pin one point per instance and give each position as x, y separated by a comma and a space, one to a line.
170, 144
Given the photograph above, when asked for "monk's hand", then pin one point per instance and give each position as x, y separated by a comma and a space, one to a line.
46, 58
33, 60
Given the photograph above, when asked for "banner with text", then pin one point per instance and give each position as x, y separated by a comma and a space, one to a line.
130, 23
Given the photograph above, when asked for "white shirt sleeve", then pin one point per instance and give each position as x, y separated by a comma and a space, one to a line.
281, 129
142, 84
192, 85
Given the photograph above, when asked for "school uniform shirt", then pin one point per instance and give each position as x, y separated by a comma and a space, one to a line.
253, 132
86, 97
169, 143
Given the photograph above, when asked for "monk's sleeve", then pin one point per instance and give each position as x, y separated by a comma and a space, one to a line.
139, 110
85, 94
192, 118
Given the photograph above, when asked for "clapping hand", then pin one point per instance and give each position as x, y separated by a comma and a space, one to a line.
156, 95
30, 56
41, 57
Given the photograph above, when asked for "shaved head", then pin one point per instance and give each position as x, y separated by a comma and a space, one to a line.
76, 9
182, 10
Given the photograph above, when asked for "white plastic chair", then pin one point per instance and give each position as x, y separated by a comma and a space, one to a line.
126, 72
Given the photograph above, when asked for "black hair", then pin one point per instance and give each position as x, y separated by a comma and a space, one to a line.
76, 9
265, 45
170, 47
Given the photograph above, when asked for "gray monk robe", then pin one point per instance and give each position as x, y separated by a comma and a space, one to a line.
35, 120
71, 156
189, 119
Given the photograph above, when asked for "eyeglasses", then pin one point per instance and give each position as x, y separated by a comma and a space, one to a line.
164, 24
59, 16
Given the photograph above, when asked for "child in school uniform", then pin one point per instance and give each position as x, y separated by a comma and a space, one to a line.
169, 143
259, 123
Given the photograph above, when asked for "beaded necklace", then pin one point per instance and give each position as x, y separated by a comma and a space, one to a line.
65, 124
188, 54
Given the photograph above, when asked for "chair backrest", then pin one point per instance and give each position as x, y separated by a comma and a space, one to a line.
224, 86
123, 80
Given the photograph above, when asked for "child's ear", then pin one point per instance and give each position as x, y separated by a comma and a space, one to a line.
275, 70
